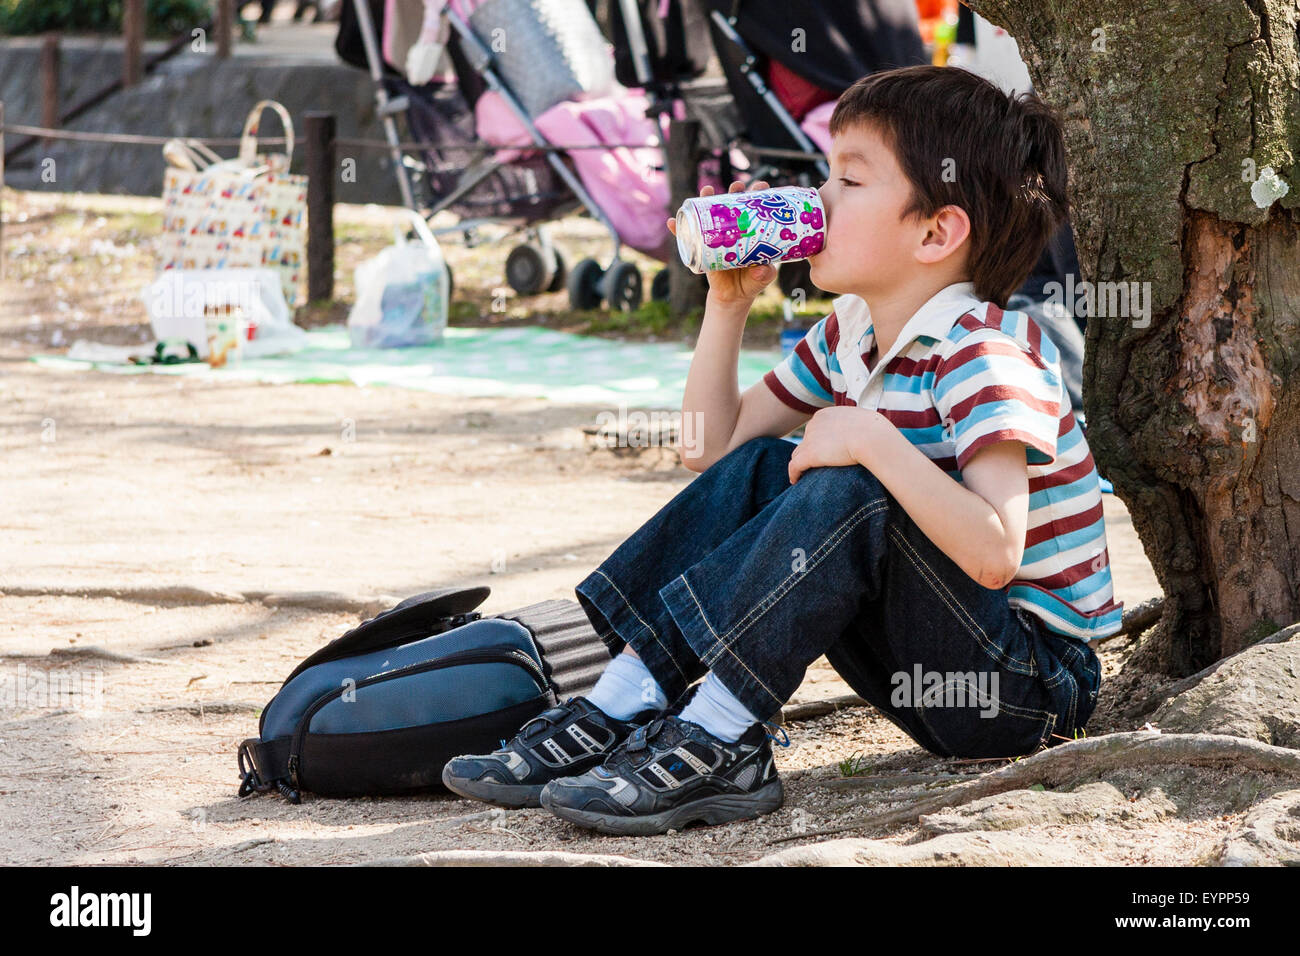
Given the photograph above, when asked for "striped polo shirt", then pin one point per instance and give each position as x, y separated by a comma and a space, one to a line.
964, 374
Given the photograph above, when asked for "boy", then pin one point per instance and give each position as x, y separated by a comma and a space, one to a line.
937, 534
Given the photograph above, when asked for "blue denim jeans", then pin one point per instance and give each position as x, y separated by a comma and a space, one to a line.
753, 578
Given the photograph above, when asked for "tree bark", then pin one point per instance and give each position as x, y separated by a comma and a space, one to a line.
1172, 109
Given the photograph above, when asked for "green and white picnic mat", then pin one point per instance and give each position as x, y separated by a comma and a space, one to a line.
527, 361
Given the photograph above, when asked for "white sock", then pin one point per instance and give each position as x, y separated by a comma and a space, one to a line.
627, 687
718, 711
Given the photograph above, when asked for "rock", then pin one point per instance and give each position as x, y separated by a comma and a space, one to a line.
1196, 792
1254, 694
952, 849
1270, 835
1094, 802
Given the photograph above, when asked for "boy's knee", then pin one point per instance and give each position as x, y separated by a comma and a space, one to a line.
854, 480
766, 443
756, 448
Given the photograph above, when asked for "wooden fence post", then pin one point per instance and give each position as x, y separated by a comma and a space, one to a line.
50, 84
686, 290
321, 166
2, 190
225, 27
133, 41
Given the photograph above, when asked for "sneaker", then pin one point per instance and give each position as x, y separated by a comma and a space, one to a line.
558, 742
667, 774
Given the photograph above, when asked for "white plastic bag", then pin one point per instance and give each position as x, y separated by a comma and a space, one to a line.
401, 294
181, 301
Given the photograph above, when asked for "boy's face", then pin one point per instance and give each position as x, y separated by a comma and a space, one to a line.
868, 248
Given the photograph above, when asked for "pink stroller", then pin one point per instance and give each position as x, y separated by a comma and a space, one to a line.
527, 73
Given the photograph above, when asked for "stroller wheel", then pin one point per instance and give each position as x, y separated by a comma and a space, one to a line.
659, 286
527, 271
585, 285
561, 273
797, 275
622, 286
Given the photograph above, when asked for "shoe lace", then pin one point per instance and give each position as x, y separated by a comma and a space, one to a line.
785, 738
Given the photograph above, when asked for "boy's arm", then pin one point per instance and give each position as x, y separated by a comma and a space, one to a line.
979, 524
715, 417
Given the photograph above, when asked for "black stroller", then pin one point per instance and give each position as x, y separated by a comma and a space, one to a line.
780, 64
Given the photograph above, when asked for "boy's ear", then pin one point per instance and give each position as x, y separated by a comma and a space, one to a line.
945, 232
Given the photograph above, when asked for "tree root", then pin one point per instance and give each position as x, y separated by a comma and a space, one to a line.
1084, 758
91, 652
203, 708
1142, 701
183, 594
244, 846
1187, 683
509, 858
1138, 619
820, 708
186, 595
898, 781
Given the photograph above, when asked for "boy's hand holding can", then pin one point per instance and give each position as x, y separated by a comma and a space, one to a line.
735, 286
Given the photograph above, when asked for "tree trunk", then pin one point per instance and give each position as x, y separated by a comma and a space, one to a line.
1172, 109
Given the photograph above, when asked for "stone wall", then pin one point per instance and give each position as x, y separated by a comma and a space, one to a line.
189, 95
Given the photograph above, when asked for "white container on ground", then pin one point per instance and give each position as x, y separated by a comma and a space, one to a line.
186, 304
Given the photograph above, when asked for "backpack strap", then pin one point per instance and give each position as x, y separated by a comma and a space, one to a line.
263, 766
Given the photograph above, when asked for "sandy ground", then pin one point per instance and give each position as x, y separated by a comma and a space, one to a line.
117, 482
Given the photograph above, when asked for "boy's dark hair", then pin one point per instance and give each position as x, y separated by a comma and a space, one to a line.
1007, 166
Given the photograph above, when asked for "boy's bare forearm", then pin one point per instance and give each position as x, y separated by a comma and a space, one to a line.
711, 400
961, 524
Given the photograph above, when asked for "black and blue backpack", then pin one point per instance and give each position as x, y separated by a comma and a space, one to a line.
382, 709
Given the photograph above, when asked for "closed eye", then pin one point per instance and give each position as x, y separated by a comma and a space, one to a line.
849, 182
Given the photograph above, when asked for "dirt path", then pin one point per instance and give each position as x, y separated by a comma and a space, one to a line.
148, 482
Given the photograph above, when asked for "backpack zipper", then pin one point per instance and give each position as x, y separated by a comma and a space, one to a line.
488, 655
448, 622
440, 625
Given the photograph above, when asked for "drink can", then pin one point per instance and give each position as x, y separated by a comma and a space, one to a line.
736, 230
